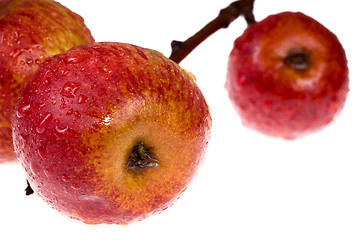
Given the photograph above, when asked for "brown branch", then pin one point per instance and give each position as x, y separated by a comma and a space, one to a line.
226, 16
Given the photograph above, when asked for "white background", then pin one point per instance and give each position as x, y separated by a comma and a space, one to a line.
251, 186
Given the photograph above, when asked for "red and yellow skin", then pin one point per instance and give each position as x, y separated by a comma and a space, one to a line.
82, 113
284, 97
30, 31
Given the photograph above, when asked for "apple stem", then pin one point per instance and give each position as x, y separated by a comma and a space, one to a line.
181, 50
28, 189
140, 159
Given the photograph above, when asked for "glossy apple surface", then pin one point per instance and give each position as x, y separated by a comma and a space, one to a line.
111, 132
30, 31
287, 76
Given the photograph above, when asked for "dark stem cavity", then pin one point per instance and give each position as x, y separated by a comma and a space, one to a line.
28, 189
140, 159
298, 60
181, 50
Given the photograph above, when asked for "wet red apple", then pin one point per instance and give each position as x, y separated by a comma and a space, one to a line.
111, 132
287, 76
30, 31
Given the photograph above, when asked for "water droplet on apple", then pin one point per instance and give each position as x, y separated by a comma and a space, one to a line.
69, 89
47, 173
29, 61
71, 59
77, 114
19, 145
92, 199
41, 152
42, 105
15, 53
75, 186
46, 120
61, 129
64, 72
47, 81
107, 120
70, 112
40, 129
142, 54
23, 110
65, 178
47, 76
63, 104
34, 168
107, 70
82, 99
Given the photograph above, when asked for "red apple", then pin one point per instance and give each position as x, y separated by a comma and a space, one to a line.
287, 76
111, 132
30, 31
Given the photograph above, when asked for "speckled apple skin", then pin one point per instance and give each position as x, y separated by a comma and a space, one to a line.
81, 114
274, 98
30, 31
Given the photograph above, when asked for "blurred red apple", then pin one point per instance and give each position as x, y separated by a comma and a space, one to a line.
30, 31
287, 76
111, 132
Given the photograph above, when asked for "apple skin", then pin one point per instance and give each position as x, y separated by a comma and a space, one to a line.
30, 31
82, 113
287, 76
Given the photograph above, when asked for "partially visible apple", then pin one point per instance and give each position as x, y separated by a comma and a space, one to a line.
111, 132
30, 31
287, 76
